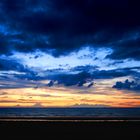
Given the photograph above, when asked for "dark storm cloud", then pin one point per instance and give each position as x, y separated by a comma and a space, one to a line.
63, 26
59, 77
59, 27
90, 85
82, 71
81, 76
13, 74
14, 83
71, 79
50, 84
85, 76
109, 74
128, 85
7, 65
127, 48
86, 68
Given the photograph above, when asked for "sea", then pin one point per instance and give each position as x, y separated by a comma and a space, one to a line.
70, 112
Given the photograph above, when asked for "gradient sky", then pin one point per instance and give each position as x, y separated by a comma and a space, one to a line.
69, 53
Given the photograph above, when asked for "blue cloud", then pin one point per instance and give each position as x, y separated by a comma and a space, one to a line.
66, 26
128, 85
7, 65
50, 84
61, 27
90, 85
78, 76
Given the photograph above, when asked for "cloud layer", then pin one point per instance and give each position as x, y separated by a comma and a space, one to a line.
70, 48
128, 85
65, 26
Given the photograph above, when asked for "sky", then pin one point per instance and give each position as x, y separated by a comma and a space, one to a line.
69, 53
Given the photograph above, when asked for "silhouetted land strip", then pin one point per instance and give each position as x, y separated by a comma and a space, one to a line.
71, 127
67, 119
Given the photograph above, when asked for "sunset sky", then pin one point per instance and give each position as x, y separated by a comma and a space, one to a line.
64, 53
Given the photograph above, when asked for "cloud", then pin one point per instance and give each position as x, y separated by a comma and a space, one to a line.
81, 83
90, 105
7, 64
23, 76
87, 68
37, 105
12, 83
90, 85
71, 79
50, 84
13, 74
127, 48
79, 77
128, 85
65, 26
3, 93
82, 76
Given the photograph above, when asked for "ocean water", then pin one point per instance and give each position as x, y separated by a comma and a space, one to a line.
70, 112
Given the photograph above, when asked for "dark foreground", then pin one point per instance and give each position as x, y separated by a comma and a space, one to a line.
59, 128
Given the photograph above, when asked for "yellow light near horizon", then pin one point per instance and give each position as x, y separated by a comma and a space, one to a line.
61, 97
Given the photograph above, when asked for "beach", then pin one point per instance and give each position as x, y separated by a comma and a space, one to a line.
71, 127
71, 122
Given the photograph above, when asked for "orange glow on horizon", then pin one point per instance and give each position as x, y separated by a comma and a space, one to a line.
65, 97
